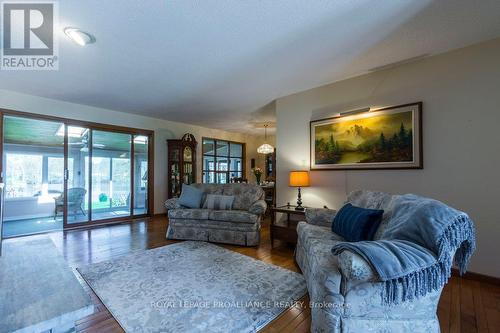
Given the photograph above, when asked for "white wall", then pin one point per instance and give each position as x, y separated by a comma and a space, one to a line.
163, 130
461, 118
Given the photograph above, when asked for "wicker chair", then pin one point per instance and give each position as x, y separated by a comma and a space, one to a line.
76, 197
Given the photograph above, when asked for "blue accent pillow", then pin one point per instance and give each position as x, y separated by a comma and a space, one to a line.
190, 197
356, 224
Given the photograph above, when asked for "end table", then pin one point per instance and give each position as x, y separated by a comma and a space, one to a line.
285, 229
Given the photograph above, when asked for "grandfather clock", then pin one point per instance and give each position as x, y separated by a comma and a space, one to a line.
181, 163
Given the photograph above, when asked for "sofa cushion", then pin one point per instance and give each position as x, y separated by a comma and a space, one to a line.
209, 188
375, 200
320, 216
215, 224
219, 202
244, 194
307, 232
191, 197
233, 216
193, 214
356, 224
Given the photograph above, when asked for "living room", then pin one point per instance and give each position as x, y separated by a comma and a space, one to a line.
262, 166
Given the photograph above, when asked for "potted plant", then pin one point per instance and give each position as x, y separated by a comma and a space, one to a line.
258, 173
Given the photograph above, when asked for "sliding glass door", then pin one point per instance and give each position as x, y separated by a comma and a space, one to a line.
63, 173
141, 173
111, 174
77, 174
33, 173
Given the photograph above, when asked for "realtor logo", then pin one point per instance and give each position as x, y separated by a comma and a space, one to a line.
28, 36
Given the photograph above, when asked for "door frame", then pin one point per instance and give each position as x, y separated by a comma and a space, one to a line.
91, 126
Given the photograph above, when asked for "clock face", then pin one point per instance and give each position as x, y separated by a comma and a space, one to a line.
188, 154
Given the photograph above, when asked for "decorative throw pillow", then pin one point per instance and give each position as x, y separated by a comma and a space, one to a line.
356, 224
219, 202
190, 197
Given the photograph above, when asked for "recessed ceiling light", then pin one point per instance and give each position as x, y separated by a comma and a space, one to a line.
78, 36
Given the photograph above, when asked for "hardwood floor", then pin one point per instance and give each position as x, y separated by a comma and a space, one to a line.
465, 305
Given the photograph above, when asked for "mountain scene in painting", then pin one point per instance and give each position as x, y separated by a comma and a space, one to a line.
367, 139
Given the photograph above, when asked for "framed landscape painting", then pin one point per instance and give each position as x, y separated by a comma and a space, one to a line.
389, 138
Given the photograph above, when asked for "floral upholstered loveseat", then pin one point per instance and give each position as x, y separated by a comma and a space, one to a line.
344, 289
240, 225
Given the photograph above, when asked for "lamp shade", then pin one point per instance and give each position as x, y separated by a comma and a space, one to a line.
299, 179
265, 149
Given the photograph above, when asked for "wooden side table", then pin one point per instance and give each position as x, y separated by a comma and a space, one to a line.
285, 229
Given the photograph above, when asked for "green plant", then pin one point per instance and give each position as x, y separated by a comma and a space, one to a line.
257, 172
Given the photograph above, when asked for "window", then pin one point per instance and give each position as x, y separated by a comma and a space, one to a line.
101, 182
222, 160
24, 175
120, 176
31, 175
110, 182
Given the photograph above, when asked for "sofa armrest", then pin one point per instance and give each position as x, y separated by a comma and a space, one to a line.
172, 203
258, 207
320, 216
356, 269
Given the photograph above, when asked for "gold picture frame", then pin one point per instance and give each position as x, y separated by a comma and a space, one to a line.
387, 138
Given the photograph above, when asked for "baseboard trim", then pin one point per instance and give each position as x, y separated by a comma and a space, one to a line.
476, 277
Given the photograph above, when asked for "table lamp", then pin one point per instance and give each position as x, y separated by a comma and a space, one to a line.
299, 179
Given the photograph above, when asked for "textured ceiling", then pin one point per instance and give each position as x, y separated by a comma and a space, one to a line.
219, 63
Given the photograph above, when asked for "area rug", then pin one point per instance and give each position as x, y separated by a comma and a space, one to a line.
38, 290
193, 287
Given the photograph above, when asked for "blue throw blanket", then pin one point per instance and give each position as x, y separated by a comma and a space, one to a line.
414, 255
